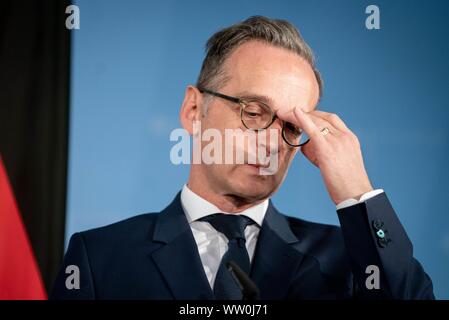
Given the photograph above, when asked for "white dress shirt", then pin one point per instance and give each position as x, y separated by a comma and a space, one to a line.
212, 245
363, 198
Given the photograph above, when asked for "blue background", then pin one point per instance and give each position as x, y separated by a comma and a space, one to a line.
132, 61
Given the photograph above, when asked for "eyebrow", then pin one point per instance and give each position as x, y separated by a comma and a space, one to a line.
265, 99
253, 96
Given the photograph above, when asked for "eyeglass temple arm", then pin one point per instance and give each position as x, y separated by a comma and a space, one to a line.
223, 96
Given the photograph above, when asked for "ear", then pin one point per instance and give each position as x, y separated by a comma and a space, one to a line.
190, 109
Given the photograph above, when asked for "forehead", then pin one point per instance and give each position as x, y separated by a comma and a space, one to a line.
281, 75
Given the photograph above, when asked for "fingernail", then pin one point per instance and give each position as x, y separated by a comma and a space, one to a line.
299, 110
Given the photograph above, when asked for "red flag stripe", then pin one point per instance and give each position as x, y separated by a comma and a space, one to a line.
19, 273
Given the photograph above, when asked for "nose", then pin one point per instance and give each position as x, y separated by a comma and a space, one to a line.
269, 140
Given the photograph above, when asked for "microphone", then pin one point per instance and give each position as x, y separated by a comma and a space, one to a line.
249, 288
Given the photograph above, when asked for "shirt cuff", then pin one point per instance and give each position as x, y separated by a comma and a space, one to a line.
350, 202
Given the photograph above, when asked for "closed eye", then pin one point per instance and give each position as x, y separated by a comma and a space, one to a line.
292, 129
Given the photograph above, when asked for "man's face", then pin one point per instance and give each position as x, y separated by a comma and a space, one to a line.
286, 81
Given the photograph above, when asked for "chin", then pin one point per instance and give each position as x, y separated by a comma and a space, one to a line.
253, 187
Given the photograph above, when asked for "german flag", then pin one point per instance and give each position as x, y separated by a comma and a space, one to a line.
19, 273
34, 108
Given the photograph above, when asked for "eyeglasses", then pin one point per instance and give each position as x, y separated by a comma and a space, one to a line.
257, 115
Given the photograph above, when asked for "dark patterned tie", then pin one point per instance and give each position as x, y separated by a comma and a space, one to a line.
233, 227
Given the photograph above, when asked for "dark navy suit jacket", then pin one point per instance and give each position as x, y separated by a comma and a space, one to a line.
154, 256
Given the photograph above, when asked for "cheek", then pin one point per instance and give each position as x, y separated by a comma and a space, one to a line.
287, 154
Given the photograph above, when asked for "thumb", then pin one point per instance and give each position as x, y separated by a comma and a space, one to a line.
308, 151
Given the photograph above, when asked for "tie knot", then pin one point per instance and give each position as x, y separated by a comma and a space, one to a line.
231, 225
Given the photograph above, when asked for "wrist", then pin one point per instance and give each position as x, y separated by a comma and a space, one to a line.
355, 194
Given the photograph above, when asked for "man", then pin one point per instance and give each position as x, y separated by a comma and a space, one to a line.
258, 75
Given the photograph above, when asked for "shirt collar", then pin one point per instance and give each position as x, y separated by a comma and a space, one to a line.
196, 207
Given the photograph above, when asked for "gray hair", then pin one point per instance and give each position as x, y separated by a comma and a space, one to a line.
280, 33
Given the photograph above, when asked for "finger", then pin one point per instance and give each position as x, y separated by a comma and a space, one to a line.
307, 151
322, 123
288, 116
331, 118
312, 125
306, 123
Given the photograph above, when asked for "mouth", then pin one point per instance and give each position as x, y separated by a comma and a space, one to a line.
257, 162
258, 165
255, 169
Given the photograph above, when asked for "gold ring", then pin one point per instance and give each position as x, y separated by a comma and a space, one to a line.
325, 131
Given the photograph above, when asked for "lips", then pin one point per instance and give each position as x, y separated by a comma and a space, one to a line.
258, 165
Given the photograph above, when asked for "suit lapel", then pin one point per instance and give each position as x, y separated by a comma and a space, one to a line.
178, 259
274, 265
275, 261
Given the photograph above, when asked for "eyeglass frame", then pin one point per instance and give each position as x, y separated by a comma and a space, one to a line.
242, 104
